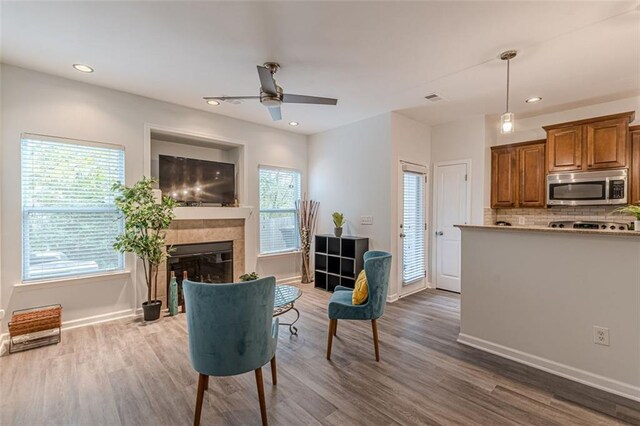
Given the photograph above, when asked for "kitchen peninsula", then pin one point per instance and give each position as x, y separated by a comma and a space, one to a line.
539, 296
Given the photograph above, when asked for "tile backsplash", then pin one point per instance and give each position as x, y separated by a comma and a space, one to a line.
542, 217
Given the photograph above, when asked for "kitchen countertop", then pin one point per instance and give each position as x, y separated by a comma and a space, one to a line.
551, 230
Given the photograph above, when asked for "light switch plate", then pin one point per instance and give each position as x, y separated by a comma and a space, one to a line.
366, 220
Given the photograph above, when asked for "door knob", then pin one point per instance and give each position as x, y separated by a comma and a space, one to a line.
402, 235
438, 233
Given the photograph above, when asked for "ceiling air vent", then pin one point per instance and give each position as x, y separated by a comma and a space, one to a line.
433, 97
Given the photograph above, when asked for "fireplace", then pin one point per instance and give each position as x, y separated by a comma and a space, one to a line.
203, 262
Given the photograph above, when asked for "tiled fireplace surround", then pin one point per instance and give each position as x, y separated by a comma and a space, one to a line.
541, 217
193, 231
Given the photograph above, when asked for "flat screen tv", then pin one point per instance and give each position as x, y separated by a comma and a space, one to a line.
193, 181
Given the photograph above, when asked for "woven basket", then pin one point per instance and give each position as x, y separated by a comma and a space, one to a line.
38, 319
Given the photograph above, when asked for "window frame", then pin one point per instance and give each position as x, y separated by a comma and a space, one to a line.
292, 210
25, 210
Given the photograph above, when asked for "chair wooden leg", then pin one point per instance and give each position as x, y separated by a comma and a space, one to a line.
206, 383
274, 371
374, 326
202, 379
263, 404
335, 329
332, 326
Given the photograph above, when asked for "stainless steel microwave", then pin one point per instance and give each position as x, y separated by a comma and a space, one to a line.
587, 188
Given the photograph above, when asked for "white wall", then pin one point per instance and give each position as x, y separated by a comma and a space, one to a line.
354, 169
460, 140
519, 301
40, 103
349, 172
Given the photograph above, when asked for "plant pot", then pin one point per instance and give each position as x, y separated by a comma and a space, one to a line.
337, 232
636, 225
151, 310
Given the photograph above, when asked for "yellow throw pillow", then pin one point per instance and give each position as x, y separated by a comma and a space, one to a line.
361, 291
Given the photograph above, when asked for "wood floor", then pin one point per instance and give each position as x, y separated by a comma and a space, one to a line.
130, 373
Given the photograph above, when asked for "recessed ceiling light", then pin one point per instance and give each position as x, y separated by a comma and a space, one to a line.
293, 123
213, 102
83, 68
533, 100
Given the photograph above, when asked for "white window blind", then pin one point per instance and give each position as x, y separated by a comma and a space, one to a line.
69, 220
279, 191
413, 243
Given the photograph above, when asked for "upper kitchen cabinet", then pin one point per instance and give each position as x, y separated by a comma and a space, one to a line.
607, 144
634, 136
503, 177
593, 144
565, 149
518, 175
532, 175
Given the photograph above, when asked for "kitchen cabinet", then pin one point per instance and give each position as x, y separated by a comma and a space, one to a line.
565, 149
518, 175
532, 178
593, 144
503, 177
634, 137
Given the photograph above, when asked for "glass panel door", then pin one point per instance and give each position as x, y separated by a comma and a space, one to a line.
413, 228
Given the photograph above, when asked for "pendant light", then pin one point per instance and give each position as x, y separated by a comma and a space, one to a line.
506, 119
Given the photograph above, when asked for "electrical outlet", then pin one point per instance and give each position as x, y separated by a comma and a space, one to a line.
521, 220
600, 335
366, 220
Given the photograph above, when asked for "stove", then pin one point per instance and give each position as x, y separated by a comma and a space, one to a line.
595, 225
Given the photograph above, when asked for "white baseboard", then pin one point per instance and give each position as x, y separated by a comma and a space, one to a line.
4, 343
97, 319
290, 280
581, 376
392, 298
418, 290
80, 322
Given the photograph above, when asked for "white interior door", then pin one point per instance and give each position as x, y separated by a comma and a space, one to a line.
412, 228
451, 209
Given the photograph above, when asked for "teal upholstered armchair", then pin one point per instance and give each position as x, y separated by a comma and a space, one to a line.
231, 331
377, 266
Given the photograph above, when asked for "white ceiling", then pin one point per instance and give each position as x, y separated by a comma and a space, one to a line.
374, 56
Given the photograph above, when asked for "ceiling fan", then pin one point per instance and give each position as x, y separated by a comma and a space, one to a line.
272, 96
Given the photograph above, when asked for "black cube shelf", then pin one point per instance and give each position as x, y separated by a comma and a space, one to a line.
338, 260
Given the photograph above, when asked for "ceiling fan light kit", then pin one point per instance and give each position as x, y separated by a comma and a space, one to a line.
507, 119
272, 96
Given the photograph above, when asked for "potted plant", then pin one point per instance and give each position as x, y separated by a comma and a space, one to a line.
338, 221
144, 231
249, 277
633, 210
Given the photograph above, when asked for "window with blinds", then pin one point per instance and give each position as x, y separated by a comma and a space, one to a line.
413, 222
279, 191
69, 220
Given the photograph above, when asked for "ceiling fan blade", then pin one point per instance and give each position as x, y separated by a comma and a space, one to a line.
276, 113
303, 99
226, 98
266, 81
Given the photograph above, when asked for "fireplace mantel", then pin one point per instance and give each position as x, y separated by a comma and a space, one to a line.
196, 213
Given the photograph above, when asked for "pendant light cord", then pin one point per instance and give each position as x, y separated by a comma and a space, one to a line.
508, 62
